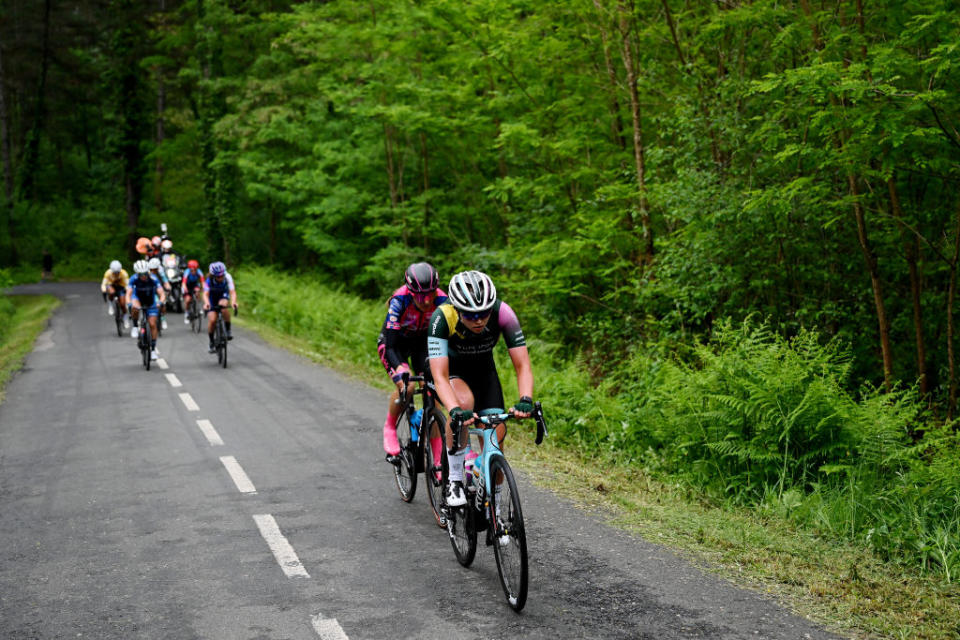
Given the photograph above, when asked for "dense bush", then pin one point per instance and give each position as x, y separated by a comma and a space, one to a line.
749, 418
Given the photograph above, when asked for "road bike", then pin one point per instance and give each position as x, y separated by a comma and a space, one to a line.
196, 319
220, 334
117, 314
414, 430
493, 505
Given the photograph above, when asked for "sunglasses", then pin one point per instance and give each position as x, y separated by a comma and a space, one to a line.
474, 317
423, 297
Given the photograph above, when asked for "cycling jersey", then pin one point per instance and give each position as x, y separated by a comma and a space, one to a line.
471, 354
448, 337
161, 276
192, 279
218, 290
403, 335
144, 290
111, 279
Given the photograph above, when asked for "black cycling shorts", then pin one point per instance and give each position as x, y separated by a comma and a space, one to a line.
481, 376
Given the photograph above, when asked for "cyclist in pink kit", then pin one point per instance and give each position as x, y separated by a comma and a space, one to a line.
403, 338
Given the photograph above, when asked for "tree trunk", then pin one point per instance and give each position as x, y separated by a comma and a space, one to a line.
616, 122
638, 151
158, 167
871, 262
911, 252
5, 135
426, 197
31, 150
391, 169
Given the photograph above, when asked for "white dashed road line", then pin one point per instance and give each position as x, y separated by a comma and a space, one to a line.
238, 475
173, 380
162, 363
282, 551
188, 402
212, 436
328, 628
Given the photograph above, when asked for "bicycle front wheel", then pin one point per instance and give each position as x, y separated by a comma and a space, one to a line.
509, 536
405, 471
433, 473
460, 525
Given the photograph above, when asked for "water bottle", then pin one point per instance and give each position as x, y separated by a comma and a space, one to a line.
415, 424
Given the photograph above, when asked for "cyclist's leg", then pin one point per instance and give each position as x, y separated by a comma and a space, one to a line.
420, 366
390, 444
225, 305
153, 314
134, 314
465, 400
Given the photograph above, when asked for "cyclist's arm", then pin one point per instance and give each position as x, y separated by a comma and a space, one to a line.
233, 290
439, 359
440, 369
521, 363
517, 348
105, 282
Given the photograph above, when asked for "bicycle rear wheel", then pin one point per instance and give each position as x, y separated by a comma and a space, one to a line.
433, 474
405, 471
194, 315
460, 525
509, 536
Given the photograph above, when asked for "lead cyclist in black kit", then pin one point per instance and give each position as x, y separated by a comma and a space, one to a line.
460, 342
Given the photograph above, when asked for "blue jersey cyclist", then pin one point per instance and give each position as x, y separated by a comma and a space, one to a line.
461, 338
404, 337
218, 289
145, 292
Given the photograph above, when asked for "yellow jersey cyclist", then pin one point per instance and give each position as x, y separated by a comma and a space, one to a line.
460, 342
114, 285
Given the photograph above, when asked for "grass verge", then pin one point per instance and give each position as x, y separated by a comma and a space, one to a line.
29, 318
844, 587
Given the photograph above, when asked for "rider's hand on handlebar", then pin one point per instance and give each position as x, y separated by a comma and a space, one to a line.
523, 408
461, 416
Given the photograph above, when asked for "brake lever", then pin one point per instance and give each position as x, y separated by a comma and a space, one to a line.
541, 423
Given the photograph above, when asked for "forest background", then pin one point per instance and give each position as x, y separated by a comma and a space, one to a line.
731, 228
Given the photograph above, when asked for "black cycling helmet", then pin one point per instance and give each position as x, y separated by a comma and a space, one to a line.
421, 277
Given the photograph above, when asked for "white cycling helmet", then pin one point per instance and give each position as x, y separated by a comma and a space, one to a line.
115, 266
166, 245
472, 291
154, 263
140, 266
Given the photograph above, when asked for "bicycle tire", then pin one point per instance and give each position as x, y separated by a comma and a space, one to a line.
224, 338
221, 342
433, 475
509, 536
194, 315
145, 350
405, 472
118, 317
460, 526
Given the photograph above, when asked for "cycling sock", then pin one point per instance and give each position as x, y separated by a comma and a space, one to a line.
436, 444
227, 325
390, 443
455, 462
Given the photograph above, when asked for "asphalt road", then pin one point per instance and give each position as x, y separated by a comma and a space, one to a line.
260, 507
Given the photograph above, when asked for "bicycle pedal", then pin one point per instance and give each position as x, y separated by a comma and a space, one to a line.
393, 459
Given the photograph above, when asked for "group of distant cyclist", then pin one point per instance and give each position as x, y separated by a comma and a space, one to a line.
449, 337
146, 292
